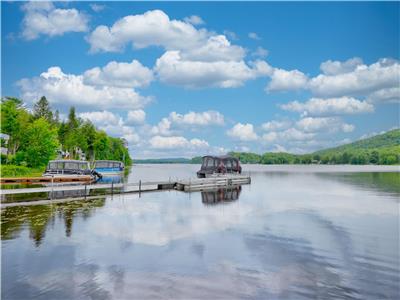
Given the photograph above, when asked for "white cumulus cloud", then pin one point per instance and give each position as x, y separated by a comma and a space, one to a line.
43, 18
173, 69
69, 89
153, 28
326, 124
276, 125
330, 106
283, 80
119, 74
137, 116
330, 67
356, 79
172, 142
243, 132
205, 118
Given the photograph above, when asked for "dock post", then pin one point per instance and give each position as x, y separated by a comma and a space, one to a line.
112, 187
85, 190
52, 183
140, 187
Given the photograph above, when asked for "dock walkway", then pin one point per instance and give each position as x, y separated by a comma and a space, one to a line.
188, 185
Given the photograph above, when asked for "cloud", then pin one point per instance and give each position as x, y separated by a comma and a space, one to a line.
389, 95
119, 74
276, 125
330, 67
136, 116
195, 20
172, 69
162, 128
172, 142
153, 28
102, 118
288, 135
243, 132
331, 106
168, 126
282, 80
97, 7
354, 78
215, 48
206, 118
327, 124
43, 18
112, 124
194, 58
254, 36
260, 52
69, 89
230, 34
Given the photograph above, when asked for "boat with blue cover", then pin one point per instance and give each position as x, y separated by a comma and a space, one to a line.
70, 168
108, 167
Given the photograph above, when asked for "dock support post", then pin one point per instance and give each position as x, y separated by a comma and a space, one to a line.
85, 190
140, 187
112, 187
52, 183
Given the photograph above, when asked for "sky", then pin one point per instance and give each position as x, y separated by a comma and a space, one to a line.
183, 79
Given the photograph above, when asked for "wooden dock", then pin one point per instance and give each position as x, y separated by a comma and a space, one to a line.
192, 185
189, 185
39, 180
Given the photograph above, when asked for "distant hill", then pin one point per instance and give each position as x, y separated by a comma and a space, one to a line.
386, 140
178, 160
381, 149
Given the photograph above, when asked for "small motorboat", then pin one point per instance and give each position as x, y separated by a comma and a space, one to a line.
68, 167
109, 167
217, 165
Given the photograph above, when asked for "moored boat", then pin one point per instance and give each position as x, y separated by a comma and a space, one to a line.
219, 165
109, 167
67, 167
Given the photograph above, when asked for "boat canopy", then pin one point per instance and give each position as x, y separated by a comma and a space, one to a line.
66, 164
108, 164
214, 161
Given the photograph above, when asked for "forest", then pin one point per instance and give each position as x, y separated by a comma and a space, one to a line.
383, 149
36, 136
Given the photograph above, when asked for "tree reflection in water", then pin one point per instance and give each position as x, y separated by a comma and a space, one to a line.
221, 195
38, 217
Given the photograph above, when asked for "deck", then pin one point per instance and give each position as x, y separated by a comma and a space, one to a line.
84, 189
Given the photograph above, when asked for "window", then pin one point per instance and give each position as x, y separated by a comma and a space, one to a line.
71, 165
228, 164
210, 162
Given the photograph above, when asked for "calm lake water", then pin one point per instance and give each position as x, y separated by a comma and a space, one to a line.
296, 232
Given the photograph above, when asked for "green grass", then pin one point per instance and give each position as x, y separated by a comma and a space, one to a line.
20, 171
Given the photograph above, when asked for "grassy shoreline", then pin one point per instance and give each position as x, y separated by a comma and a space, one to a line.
19, 171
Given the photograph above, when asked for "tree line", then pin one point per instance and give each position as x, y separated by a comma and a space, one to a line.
36, 136
376, 157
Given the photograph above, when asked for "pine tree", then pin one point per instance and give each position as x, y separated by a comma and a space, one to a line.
72, 120
42, 109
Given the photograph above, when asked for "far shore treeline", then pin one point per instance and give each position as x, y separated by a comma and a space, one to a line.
383, 149
35, 137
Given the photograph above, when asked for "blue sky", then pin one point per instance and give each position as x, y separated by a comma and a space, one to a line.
185, 79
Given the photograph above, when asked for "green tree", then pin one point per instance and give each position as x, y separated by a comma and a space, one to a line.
73, 121
42, 109
14, 121
40, 143
374, 157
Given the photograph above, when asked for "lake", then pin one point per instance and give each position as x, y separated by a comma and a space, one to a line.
297, 232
